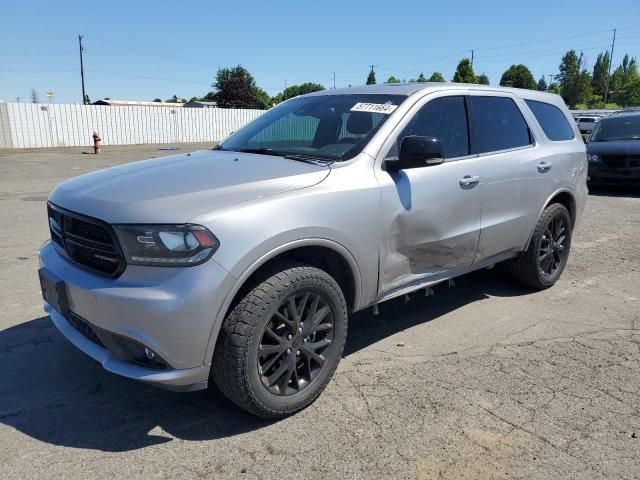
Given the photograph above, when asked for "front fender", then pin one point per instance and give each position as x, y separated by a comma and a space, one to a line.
256, 263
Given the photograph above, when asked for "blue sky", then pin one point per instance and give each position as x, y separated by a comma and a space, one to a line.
139, 50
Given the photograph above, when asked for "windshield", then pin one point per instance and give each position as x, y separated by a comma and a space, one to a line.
326, 127
622, 128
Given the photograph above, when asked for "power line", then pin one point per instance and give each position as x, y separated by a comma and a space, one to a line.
39, 70
53, 54
145, 77
550, 49
544, 41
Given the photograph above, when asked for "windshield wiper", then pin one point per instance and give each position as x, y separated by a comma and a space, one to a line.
614, 139
301, 157
260, 151
309, 158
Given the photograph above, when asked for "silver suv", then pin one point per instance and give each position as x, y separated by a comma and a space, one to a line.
241, 264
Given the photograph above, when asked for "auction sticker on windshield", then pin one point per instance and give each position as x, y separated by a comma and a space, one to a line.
374, 108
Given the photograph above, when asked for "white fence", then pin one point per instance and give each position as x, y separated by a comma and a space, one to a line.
35, 125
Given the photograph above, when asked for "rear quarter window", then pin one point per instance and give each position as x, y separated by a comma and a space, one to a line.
552, 120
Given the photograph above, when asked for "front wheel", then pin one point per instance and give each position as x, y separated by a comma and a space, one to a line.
542, 263
281, 344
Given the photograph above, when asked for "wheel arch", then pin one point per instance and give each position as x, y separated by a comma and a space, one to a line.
322, 253
563, 196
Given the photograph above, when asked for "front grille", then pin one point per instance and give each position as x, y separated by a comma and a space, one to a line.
89, 242
84, 328
621, 161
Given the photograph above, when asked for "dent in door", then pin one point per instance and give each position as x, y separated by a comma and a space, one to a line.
424, 239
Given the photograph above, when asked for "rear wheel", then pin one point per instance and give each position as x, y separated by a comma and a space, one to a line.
543, 262
280, 345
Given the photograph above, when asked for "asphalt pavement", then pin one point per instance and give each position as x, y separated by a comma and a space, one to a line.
483, 380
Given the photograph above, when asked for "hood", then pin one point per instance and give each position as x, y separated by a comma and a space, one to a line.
618, 147
178, 188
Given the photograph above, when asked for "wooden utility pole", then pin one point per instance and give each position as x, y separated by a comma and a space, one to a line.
84, 95
606, 88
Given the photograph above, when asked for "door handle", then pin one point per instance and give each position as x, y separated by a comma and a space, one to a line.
544, 167
468, 181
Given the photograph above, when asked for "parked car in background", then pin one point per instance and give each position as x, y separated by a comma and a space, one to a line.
586, 124
614, 150
241, 264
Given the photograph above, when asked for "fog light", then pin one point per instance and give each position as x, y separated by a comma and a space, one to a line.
149, 353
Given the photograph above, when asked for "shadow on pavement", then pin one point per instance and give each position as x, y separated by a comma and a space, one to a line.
54, 393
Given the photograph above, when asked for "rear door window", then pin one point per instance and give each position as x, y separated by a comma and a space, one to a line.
552, 120
497, 124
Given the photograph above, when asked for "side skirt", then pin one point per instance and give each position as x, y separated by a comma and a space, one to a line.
431, 280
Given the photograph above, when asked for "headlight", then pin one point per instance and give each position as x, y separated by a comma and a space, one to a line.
593, 158
166, 245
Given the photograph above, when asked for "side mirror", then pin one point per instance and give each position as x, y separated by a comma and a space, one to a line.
417, 152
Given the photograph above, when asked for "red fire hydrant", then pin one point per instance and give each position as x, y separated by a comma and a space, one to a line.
96, 143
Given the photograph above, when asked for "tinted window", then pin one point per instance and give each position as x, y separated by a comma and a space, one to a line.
623, 127
443, 118
497, 124
552, 120
321, 126
588, 120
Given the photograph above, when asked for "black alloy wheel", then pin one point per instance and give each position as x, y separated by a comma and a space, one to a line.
541, 265
552, 247
281, 343
294, 341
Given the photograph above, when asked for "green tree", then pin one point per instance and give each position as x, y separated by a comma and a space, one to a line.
600, 73
518, 76
236, 88
295, 90
392, 79
421, 78
542, 85
436, 77
371, 79
175, 99
593, 101
264, 99
624, 82
482, 79
464, 72
157, 100
575, 81
631, 95
554, 88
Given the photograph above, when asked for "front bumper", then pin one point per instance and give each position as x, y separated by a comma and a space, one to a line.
600, 174
169, 310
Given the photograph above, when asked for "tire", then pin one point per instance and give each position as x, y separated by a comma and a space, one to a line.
243, 370
533, 267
